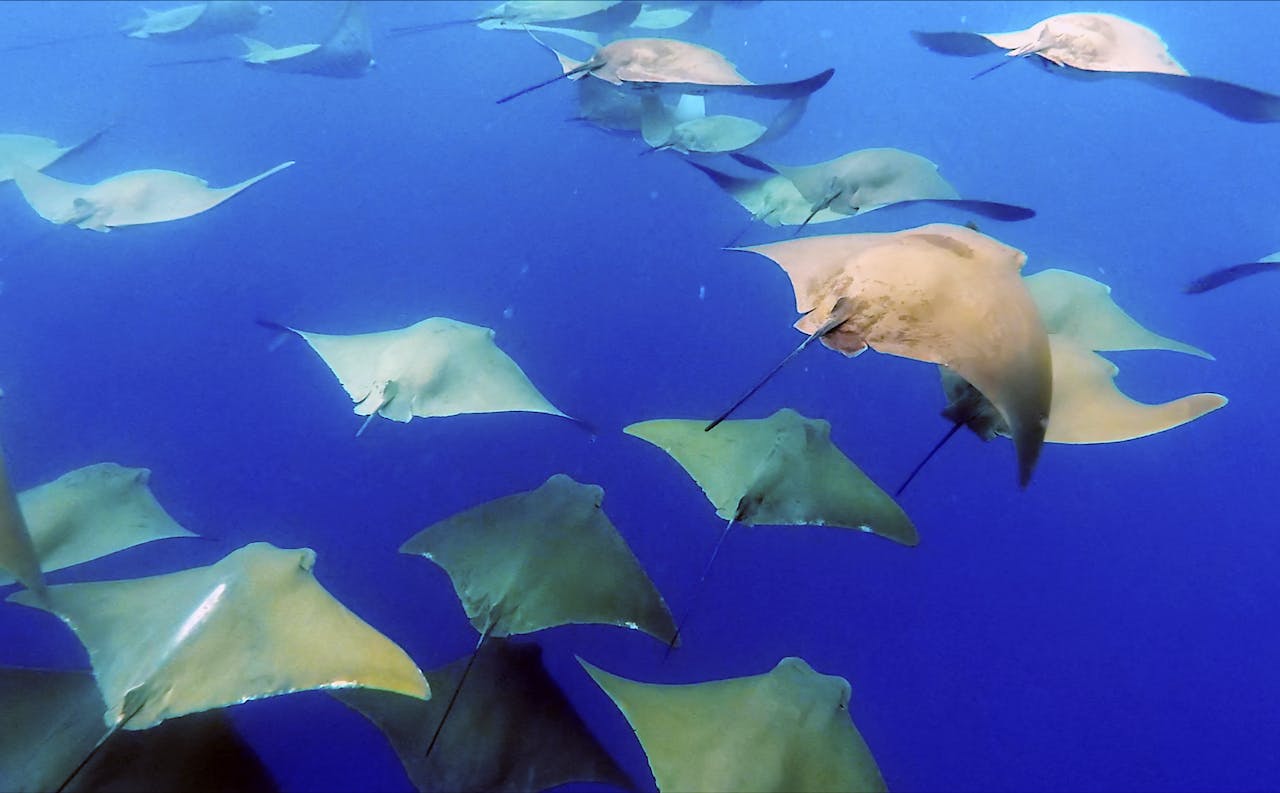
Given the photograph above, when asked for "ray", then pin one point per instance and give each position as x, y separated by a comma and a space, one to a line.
92, 512
561, 16
1095, 44
779, 471
255, 624
35, 152
786, 731
1075, 305
1087, 406
53, 721
938, 293
1226, 275
678, 67
129, 199
197, 21
436, 367
538, 560
17, 551
515, 730
347, 51
714, 134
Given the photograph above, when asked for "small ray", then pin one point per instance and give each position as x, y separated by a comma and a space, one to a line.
52, 722
346, 52
938, 293
785, 731
255, 624
1095, 45
714, 134
92, 512
436, 367
129, 199
197, 21
514, 731
579, 19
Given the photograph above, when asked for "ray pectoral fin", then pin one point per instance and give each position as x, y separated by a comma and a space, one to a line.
963, 44
990, 209
840, 313
792, 90
1234, 101
1226, 275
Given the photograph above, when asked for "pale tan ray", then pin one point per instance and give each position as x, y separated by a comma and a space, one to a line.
864, 180
198, 21
1075, 305
514, 731
938, 293
1087, 406
129, 199
92, 512
786, 731
783, 470
255, 624
436, 367
17, 552
33, 151
53, 719
1093, 42
346, 52
772, 199
713, 134
543, 558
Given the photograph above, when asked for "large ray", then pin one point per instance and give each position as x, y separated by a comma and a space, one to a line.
543, 558
1075, 305
255, 624
1087, 406
92, 512
17, 551
868, 179
34, 152
676, 67
198, 21
129, 199
786, 731
52, 721
514, 731
1217, 278
537, 560
436, 367
938, 293
346, 52
1097, 45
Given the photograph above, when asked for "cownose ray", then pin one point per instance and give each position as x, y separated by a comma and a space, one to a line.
1081, 318
197, 21
436, 367
1087, 406
786, 731
939, 293
675, 67
133, 198
52, 720
583, 20
1075, 305
347, 51
783, 470
663, 128
92, 512
35, 152
1217, 278
514, 731
17, 551
253, 625
1094, 45
540, 559
869, 179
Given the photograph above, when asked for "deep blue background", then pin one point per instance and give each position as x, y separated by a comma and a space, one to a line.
1112, 627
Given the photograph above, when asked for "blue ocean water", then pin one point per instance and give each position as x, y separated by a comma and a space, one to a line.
1108, 628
